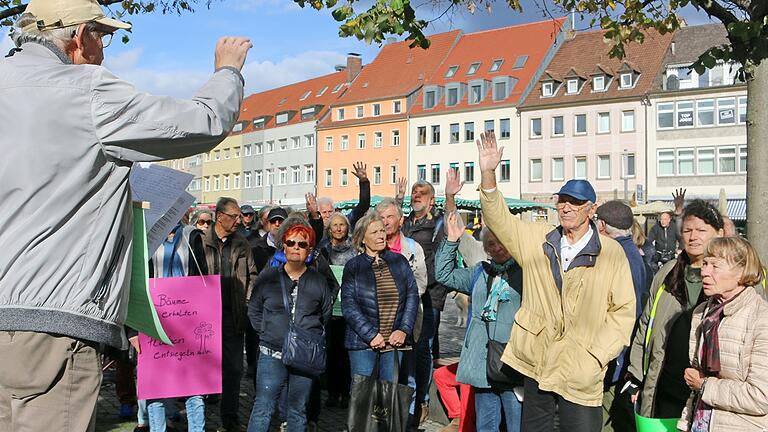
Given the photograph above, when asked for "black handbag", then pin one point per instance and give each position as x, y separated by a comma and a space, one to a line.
303, 350
499, 374
378, 405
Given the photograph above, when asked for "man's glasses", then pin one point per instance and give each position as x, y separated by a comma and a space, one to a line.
233, 216
292, 243
204, 222
106, 39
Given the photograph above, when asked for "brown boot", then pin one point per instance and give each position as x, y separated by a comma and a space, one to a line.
453, 426
424, 413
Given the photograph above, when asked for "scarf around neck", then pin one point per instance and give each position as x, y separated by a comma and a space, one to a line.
500, 291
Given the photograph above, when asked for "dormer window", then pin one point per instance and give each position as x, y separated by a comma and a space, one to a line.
258, 123
598, 83
547, 89
307, 113
281, 118
430, 99
473, 68
453, 97
496, 65
626, 80
451, 71
238, 127
573, 86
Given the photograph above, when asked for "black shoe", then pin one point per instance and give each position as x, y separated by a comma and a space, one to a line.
141, 428
332, 401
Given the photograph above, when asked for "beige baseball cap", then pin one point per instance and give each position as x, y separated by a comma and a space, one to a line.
63, 13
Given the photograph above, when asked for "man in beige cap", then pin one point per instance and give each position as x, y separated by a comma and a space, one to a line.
69, 132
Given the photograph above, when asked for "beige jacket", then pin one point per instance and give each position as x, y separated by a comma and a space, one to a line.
739, 398
565, 337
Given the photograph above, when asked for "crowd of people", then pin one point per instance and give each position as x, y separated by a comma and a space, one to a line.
561, 321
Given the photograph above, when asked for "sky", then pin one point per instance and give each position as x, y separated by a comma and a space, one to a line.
173, 55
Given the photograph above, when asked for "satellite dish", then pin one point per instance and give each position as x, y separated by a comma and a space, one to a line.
673, 83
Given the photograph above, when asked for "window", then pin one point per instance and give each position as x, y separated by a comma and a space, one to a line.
376, 110
435, 173
499, 90
247, 179
435, 134
625, 81
685, 162
496, 66
360, 141
322, 91
259, 147
343, 177
328, 178
247, 150
628, 165
421, 172
226, 182
580, 167
603, 122
454, 133
469, 172
216, 183
258, 123
706, 161
226, 154
270, 177
295, 142
726, 160
627, 121
258, 178
344, 144
603, 166
393, 174
378, 138
535, 171
430, 99
473, 68
217, 155
666, 163
476, 94
283, 144
377, 175
726, 111
270, 146
360, 111
282, 176
396, 107
547, 89
598, 83
453, 97
573, 86
238, 127
665, 115
684, 74
236, 181
281, 118
705, 112
207, 184
557, 126
535, 128
580, 124
506, 171
309, 140
309, 173
685, 114
743, 159
395, 138
488, 126
340, 114
295, 174
742, 109
469, 131
504, 129
307, 113
558, 169
337, 88
329, 143
520, 62
422, 133
236, 151
207, 157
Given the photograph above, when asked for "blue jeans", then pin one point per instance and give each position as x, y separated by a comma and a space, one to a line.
423, 354
141, 413
271, 377
488, 407
361, 362
195, 414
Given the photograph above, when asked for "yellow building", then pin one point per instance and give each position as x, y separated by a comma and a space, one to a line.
222, 170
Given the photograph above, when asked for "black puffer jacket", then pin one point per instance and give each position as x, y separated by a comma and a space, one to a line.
428, 233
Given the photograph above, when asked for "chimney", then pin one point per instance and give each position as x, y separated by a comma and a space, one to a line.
354, 66
339, 68
672, 46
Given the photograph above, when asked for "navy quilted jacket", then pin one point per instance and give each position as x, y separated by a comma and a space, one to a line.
359, 303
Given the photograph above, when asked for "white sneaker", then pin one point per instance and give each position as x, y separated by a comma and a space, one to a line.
284, 427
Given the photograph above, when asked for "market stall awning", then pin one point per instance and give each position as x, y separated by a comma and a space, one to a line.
515, 205
737, 209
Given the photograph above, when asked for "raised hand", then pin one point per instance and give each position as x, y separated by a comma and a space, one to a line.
489, 154
402, 186
678, 196
360, 171
453, 227
231, 52
452, 183
311, 203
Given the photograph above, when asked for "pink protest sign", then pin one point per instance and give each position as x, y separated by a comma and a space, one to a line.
189, 309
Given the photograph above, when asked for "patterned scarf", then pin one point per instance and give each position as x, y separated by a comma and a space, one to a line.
498, 292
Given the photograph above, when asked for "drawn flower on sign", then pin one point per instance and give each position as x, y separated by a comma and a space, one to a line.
203, 333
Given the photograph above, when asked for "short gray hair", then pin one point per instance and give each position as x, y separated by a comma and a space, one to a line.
327, 229
389, 202
324, 200
423, 183
362, 226
224, 202
614, 232
60, 37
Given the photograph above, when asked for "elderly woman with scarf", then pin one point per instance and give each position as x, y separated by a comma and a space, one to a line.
495, 287
728, 343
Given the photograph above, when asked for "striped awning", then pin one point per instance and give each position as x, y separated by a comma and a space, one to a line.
515, 205
737, 209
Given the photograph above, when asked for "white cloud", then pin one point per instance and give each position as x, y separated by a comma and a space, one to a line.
263, 75
181, 83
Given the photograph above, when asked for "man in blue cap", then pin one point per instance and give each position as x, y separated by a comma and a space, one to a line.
578, 305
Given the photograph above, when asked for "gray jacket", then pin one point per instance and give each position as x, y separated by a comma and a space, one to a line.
68, 135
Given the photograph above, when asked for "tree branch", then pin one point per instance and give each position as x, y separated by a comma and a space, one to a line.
17, 10
713, 8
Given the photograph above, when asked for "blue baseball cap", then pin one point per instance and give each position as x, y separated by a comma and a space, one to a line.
579, 189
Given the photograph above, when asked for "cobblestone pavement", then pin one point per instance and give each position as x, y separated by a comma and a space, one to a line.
331, 419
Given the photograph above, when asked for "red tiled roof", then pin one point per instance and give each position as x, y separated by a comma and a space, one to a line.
268, 103
399, 70
587, 52
508, 44
327, 124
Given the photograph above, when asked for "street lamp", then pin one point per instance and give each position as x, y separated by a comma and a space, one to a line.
271, 177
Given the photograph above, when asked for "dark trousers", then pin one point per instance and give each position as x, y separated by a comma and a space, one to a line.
337, 372
231, 372
540, 407
251, 348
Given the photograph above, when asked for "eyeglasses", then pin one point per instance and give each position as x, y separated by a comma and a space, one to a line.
292, 243
578, 205
233, 216
204, 222
106, 39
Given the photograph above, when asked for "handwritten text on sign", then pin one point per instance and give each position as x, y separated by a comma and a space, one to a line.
189, 309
